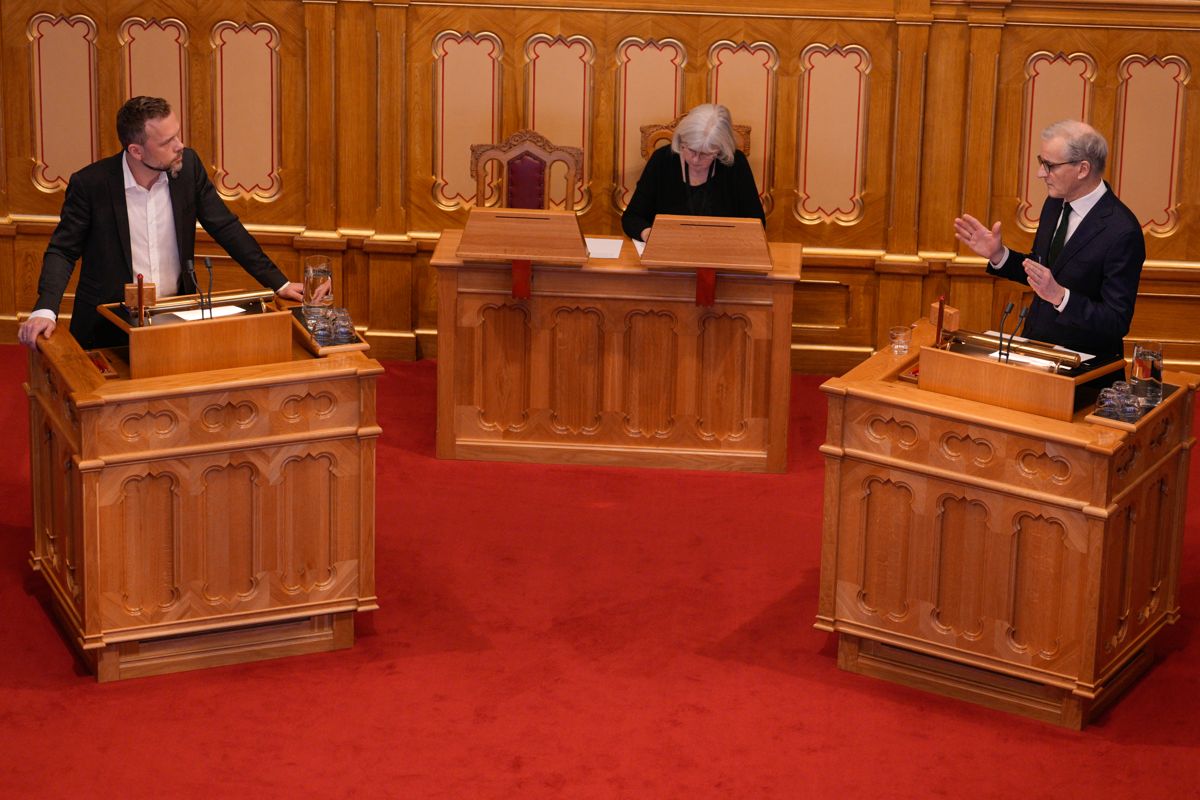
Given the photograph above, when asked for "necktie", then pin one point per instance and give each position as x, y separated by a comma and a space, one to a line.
1060, 236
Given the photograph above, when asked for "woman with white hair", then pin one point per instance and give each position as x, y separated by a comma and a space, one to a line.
701, 174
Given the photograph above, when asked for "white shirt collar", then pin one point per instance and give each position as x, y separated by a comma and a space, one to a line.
1083, 205
131, 183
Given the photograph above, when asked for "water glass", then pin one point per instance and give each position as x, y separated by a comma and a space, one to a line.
1145, 372
318, 284
901, 338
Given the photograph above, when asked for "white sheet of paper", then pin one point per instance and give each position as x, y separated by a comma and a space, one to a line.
639, 246
603, 248
1017, 358
193, 314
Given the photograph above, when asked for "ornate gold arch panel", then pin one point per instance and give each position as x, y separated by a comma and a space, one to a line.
558, 103
65, 134
832, 143
649, 90
1148, 136
742, 77
1057, 87
154, 60
467, 102
246, 109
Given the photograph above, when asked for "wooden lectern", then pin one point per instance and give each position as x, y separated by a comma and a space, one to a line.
522, 238
189, 515
1011, 558
705, 245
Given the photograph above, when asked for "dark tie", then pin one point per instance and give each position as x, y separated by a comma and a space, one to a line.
1060, 235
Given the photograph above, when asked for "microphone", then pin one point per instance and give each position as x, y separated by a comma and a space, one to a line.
190, 268
1007, 310
208, 266
1020, 324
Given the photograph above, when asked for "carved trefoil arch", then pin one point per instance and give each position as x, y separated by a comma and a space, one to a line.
1146, 153
743, 78
558, 103
467, 105
649, 90
1057, 87
832, 142
246, 109
65, 105
154, 59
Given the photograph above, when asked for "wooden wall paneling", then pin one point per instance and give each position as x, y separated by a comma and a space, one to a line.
943, 140
392, 137
906, 155
154, 61
559, 100
319, 119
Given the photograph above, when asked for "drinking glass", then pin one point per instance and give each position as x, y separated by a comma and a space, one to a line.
318, 285
901, 337
1145, 372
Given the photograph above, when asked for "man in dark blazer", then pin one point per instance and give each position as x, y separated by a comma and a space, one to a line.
162, 188
1087, 253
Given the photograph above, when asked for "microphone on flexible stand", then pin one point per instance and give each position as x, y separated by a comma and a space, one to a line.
1007, 310
190, 268
208, 266
1020, 324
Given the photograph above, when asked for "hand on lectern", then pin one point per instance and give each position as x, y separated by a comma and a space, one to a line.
291, 291
33, 327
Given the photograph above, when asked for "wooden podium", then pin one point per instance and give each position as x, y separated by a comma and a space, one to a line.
1008, 558
208, 516
611, 363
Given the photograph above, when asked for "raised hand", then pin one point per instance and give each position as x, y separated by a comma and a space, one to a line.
975, 235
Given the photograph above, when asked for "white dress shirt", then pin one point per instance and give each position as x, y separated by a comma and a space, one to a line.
152, 241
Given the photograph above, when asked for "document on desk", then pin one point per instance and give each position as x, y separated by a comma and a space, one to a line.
603, 248
196, 314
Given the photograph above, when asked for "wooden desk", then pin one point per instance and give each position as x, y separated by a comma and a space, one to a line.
203, 518
994, 555
610, 363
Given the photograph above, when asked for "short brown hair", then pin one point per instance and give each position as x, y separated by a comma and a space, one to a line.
131, 119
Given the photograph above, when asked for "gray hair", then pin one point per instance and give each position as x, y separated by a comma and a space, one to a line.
1083, 142
706, 128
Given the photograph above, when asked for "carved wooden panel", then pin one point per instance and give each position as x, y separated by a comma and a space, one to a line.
64, 96
155, 61
1149, 139
742, 77
651, 365
309, 525
649, 90
246, 109
558, 96
230, 532
886, 532
963, 545
142, 524
1047, 566
1057, 87
577, 369
723, 387
467, 103
832, 145
504, 349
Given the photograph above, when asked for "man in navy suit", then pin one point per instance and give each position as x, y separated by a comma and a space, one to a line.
1087, 254
136, 213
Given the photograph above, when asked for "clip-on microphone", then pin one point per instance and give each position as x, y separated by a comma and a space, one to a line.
208, 266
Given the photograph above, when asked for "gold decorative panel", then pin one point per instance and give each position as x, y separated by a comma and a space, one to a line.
649, 90
154, 55
466, 99
742, 78
831, 149
246, 107
558, 95
1057, 87
1145, 161
65, 134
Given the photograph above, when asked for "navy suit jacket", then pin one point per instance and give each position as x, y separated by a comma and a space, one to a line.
94, 226
1101, 264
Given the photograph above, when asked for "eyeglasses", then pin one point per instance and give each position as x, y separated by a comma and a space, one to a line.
700, 154
1050, 165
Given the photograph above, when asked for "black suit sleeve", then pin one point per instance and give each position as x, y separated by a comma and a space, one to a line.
644, 204
745, 192
1120, 272
66, 246
227, 230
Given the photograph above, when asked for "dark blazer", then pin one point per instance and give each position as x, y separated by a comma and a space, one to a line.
1101, 264
94, 226
661, 190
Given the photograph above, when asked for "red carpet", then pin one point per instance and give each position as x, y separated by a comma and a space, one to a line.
564, 632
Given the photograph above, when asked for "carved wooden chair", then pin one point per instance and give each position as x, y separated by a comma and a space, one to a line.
656, 135
525, 158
